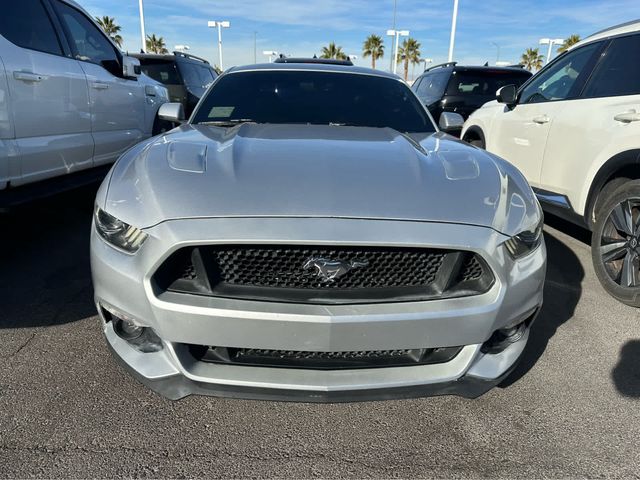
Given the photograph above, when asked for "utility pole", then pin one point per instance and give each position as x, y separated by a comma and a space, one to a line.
452, 40
142, 32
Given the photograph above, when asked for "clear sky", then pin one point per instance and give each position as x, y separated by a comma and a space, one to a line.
302, 27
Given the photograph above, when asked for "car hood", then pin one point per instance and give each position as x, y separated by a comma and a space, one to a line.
256, 170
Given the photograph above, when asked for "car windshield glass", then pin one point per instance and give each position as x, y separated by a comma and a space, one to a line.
163, 72
484, 83
310, 97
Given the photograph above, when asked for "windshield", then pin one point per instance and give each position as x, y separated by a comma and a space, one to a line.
484, 83
161, 71
319, 98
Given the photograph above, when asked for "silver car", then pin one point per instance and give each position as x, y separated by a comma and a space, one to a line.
310, 235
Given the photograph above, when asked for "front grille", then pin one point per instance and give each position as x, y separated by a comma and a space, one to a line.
325, 275
283, 267
323, 360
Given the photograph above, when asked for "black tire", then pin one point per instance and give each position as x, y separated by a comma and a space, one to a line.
615, 245
605, 194
474, 138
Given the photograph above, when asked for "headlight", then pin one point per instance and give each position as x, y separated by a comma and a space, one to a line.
525, 242
118, 233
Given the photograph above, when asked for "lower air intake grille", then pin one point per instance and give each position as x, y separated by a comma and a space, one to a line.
323, 360
324, 275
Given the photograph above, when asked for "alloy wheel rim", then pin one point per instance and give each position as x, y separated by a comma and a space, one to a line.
620, 243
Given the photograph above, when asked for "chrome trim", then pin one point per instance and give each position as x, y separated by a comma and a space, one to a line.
555, 199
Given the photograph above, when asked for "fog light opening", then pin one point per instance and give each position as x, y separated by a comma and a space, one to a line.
143, 339
508, 335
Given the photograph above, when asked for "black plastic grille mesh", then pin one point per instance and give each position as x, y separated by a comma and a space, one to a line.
471, 269
300, 355
283, 266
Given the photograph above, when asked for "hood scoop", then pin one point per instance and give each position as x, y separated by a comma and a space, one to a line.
187, 156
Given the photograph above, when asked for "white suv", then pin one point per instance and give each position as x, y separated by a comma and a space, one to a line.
69, 99
574, 130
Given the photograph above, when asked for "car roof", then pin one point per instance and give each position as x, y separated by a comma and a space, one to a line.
621, 29
313, 67
450, 67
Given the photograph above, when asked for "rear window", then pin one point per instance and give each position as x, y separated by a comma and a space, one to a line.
309, 97
484, 83
196, 75
161, 71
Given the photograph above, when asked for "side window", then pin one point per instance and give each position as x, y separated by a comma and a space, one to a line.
432, 86
189, 74
206, 75
91, 45
416, 84
618, 72
26, 23
563, 79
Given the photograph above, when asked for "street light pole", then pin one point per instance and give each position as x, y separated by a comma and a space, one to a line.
397, 34
452, 39
395, 5
143, 36
220, 25
551, 42
498, 54
271, 54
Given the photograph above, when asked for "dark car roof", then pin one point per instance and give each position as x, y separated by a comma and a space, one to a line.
170, 57
476, 68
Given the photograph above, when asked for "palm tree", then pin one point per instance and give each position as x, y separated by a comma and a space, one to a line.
156, 44
373, 47
531, 59
109, 26
569, 42
409, 51
333, 51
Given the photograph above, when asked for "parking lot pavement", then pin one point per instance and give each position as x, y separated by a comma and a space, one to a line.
572, 408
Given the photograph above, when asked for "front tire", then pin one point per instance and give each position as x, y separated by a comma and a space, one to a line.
615, 245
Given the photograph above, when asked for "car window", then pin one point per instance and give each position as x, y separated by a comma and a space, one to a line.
161, 71
484, 83
617, 73
26, 23
91, 45
432, 86
207, 75
190, 74
321, 98
563, 78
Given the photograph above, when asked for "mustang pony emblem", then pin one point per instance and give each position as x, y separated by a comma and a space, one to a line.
329, 270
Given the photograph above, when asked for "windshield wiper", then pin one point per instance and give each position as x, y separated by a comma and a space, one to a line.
228, 123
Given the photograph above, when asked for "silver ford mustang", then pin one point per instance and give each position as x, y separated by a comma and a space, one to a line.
309, 235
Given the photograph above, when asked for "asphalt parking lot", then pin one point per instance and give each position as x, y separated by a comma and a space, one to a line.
572, 407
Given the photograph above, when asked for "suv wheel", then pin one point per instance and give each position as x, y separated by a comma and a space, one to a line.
615, 245
474, 139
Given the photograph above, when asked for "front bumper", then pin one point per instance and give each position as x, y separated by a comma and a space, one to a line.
123, 282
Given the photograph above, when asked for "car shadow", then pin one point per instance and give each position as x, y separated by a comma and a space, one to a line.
562, 291
626, 374
45, 276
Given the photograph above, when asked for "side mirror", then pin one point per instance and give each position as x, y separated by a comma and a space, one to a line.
171, 112
507, 95
450, 121
130, 67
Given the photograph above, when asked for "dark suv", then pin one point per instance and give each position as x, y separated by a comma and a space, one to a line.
453, 88
185, 76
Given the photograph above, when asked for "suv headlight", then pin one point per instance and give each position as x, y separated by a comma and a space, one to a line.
526, 241
117, 233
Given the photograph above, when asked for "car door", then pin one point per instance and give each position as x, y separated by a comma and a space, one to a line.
47, 95
580, 139
521, 132
117, 103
